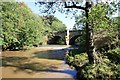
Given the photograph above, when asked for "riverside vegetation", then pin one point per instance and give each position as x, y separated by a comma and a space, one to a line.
107, 46
22, 29
98, 56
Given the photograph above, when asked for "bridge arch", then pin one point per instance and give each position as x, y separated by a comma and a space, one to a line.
73, 38
56, 40
65, 37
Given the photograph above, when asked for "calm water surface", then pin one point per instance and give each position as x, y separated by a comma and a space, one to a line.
51, 54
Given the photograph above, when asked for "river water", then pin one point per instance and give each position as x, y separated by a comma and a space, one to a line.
59, 52
52, 57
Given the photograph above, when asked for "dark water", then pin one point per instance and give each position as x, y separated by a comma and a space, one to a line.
51, 54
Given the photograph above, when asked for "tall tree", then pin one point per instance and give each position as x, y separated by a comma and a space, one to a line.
65, 6
53, 23
105, 27
22, 28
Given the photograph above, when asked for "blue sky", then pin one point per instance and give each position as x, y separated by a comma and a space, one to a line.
62, 17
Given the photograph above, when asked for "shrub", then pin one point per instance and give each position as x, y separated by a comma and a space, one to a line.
76, 59
114, 55
96, 71
108, 68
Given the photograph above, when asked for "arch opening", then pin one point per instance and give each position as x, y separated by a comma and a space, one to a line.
56, 40
75, 40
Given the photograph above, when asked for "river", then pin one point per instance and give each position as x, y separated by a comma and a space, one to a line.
40, 62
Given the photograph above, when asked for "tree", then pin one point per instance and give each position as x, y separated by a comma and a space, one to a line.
53, 23
105, 28
8, 22
22, 28
69, 5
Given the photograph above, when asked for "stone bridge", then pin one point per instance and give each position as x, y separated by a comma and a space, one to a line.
68, 37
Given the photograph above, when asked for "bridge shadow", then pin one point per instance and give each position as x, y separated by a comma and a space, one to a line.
58, 54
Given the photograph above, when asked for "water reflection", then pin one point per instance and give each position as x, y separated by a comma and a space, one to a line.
51, 54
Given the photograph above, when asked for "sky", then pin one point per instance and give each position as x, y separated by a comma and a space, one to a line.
62, 17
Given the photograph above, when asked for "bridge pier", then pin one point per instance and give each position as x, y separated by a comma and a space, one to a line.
45, 40
67, 37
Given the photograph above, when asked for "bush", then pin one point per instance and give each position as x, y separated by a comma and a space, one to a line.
108, 68
76, 59
102, 70
114, 55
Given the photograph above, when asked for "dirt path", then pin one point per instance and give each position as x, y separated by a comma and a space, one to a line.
21, 64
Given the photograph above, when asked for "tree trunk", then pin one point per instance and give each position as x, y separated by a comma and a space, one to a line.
90, 49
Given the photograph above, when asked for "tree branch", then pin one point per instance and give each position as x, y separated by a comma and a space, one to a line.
74, 6
50, 6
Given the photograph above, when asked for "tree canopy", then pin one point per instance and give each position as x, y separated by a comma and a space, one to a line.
21, 27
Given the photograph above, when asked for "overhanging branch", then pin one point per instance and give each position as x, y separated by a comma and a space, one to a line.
50, 6
78, 7
74, 6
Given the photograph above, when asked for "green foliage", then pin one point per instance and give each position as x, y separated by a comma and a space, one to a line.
105, 27
82, 47
107, 68
100, 20
1, 40
114, 55
21, 28
61, 42
57, 25
78, 60
73, 58
97, 71
52, 24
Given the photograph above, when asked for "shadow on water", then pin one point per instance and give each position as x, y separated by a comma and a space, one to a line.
21, 65
24, 64
51, 54
58, 54
7, 61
